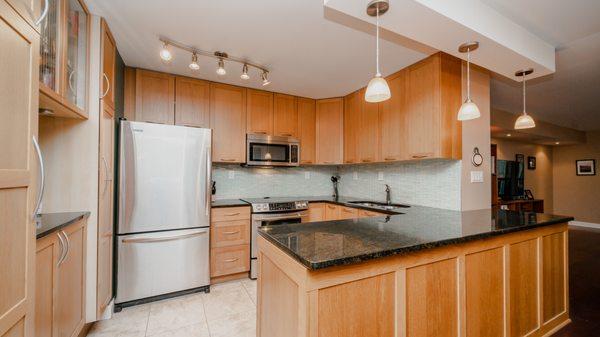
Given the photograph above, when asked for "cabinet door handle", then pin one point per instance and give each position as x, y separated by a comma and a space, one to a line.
227, 159
232, 214
38, 203
44, 13
68, 245
106, 179
62, 248
349, 161
330, 207
347, 210
421, 155
367, 160
105, 78
231, 260
327, 162
389, 158
286, 134
231, 232
306, 161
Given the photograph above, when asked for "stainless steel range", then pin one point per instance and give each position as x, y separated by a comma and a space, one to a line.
272, 212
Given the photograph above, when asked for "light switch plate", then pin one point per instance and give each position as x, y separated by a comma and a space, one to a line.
476, 176
307, 175
355, 175
380, 175
231, 174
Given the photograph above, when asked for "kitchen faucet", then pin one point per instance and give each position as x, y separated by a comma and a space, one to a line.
388, 196
335, 180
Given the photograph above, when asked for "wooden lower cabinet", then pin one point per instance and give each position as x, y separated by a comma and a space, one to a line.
60, 282
229, 243
510, 285
316, 212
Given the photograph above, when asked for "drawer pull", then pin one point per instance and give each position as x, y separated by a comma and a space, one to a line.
389, 158
231, 260
227, 159
232, 214
307, 162
367, 160
330, 207
231, 233
347, 210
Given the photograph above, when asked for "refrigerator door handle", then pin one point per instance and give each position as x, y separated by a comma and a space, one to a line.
208, 181
164, 238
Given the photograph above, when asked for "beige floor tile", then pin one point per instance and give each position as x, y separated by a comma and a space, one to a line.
227, 299
250, 286
168, 315
131, 322
236, 325
194, 330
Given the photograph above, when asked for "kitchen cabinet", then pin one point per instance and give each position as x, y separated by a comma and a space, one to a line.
64, 55
60, 282
30, 10
192, 102
228, 121
368, 131
348, 213
307, 130
434, 97
352, 107
155, 97
316, 211
332, 212
229, 243
109, 55
285, 115
329, 127
105, 210
259, 108
19, 170
392, 120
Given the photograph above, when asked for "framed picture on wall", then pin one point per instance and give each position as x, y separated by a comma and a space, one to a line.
585, 167
531, 163
520, 158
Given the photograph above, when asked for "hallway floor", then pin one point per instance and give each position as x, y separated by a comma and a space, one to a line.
584, 283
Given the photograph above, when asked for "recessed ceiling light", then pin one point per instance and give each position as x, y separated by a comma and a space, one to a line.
557, 143
508, 135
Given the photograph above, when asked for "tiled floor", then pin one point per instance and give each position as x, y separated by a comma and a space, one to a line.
229, 310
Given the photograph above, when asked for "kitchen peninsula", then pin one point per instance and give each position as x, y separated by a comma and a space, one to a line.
425, 272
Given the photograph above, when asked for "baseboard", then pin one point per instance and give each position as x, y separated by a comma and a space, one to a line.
584, 224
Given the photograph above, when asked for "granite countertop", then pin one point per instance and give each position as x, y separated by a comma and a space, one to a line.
228, 203
49, 223
341, 242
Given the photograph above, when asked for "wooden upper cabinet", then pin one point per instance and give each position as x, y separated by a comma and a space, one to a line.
285, 115
192, 102
368, 131
352, 107
260, 112
155, 94
392, 120
307, 120
228, 121
434, 97
329, 139
109, 51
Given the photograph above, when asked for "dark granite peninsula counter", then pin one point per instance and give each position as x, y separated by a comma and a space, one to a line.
49, 223
477, 272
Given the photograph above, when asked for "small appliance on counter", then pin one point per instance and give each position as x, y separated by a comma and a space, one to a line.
163, 230
270, 212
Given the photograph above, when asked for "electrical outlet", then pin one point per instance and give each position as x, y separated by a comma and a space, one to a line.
380, 175
355, 175
231, 174
476, 176
306, 175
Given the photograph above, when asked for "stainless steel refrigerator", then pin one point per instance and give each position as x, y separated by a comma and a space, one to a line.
164, 209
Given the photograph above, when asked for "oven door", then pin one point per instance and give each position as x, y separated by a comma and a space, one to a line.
273, 219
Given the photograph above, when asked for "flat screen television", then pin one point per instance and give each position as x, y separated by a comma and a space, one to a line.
511, 179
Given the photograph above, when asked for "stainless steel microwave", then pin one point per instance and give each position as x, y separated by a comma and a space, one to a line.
265, 150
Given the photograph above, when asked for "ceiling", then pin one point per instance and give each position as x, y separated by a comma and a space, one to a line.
568, 97
306, 54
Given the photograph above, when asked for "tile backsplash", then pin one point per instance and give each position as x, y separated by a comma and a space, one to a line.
434, 183
234, 181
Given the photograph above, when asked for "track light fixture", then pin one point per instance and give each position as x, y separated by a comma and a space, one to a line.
165, 53
244, 75
265, 78
468, 110
222, 57
524, 121
194, 65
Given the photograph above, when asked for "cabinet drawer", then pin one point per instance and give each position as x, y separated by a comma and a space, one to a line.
230, 213
230, 233
348, 213
229, 260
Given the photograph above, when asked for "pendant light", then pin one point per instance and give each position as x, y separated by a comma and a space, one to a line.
377, 89
468, 110
524, 121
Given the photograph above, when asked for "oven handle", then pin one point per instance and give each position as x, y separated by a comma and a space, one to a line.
291, 216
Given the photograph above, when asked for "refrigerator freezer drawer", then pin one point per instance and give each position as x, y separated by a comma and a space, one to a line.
159, 263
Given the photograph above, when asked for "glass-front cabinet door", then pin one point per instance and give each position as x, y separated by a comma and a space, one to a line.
77, 54
50, 47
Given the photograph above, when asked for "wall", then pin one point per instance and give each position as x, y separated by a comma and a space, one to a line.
434, 183
277, 182
574, 195
540, 180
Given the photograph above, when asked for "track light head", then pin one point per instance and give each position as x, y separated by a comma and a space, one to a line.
165, 53
265, 78
221, 68
194, 65
244, 75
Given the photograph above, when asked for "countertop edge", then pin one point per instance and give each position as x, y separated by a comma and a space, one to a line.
313, 266
80, 216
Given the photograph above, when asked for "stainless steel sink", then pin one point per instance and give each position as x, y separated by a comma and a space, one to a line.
376, 204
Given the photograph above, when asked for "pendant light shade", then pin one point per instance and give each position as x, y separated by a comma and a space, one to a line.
468, 110
524, 121
377, 89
